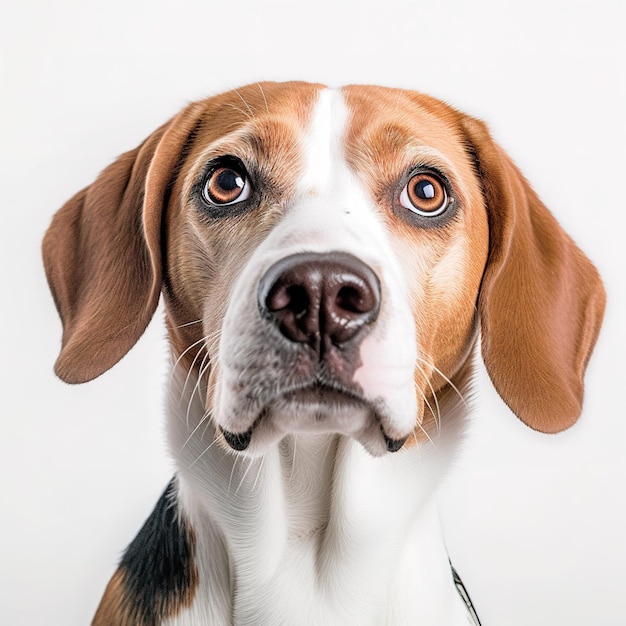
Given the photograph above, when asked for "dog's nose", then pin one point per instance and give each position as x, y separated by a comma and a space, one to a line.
320, 298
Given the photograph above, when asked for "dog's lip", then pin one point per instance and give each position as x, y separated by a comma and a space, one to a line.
238, 441
316, 394
393, 445
323, 394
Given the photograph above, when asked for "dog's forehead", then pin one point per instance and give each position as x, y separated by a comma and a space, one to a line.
386, 126
374, 109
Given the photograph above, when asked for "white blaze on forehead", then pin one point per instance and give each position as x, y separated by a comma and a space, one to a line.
323, 144
334, 209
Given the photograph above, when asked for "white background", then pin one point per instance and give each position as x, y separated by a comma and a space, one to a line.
535, 523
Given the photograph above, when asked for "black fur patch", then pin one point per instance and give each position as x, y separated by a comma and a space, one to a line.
158, 570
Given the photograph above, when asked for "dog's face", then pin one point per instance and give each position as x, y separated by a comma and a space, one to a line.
326, 257
328, 241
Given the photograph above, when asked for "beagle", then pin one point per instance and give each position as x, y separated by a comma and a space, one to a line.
330, 260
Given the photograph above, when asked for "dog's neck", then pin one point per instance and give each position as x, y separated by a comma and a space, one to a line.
316, 519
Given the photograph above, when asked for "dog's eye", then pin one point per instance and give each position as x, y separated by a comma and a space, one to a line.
227, 184
425, 194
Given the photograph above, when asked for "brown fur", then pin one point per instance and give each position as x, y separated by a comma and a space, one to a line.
116, 608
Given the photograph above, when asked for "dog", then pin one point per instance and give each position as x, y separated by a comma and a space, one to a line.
331, 262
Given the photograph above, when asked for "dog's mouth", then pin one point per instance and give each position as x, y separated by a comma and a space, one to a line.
323, 395
316, 408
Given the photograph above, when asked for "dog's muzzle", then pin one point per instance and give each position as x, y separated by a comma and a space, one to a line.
320, 307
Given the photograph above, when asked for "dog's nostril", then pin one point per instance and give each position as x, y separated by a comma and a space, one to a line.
294, 298
312, 296
354, 300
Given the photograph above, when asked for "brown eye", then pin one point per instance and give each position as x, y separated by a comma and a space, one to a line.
425, 194
227, 185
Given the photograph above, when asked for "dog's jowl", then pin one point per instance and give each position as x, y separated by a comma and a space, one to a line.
330, 262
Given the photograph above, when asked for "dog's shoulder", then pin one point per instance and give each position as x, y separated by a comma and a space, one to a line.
156, 576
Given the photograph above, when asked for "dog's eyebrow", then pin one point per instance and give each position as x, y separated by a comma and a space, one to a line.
398, 143
421, 154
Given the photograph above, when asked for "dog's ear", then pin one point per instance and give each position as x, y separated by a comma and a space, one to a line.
102, 254
541, 301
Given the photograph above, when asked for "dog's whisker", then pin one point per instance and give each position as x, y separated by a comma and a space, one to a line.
251, 461
191, 367
204, 365
232, 471
417, 443
423, 395
447, 380
211, 385
214, 334
251, 112
204, 452
267, 108
258, 475
420, 427
193, 391
434, 395
181, 356
189, 373
240, 110
433, 414
198, 321
205, 417
430, 408
207, 423
201, 369
436, 416
212, 341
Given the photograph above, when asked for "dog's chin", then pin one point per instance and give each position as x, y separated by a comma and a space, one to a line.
315, 410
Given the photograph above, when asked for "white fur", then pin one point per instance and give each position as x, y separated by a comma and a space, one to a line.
311, 529
315, 532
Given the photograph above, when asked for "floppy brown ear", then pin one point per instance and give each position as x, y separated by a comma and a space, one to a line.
102, 256
541, 301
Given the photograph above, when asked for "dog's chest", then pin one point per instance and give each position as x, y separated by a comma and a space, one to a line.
383, 583
323, 534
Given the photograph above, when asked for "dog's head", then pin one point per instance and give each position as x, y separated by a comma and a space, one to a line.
326, 258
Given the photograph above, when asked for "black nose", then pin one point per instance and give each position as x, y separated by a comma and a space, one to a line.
320, 298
